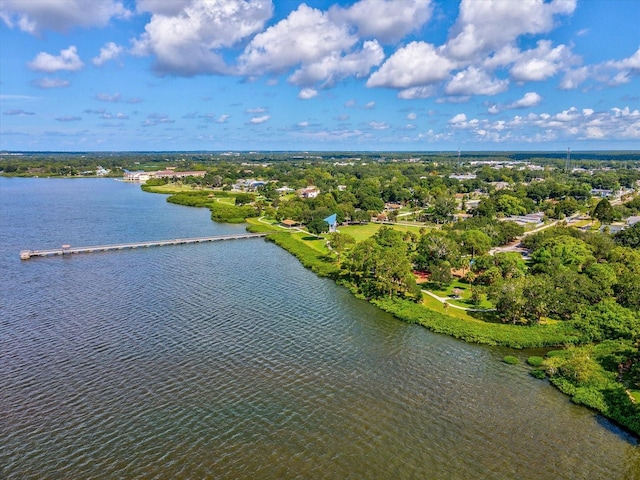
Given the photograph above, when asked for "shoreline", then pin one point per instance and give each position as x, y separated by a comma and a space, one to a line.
558, 338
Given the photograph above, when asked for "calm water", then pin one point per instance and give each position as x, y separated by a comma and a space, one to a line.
229, 360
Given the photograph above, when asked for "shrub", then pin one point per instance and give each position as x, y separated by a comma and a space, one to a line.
539, 374
535, 361
511, 360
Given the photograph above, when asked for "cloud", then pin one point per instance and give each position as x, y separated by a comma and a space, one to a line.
11, 98
542, 62
412, 116
155, 119
223, 118
417, 64
185, 40
259, 120
378, 125
161, 7
256, 110
19, 113
370, 105
34, 16
69, 118
107, 97
474, 81
530, 99
46, 83
307, 93
570, 124
417, 92
610, 73
458, 119
110, 51
336, 66
574, 78
117, 116
385, 20
486, 25
67, 60
322, 49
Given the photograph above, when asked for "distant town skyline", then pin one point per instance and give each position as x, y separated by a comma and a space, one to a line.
368, 75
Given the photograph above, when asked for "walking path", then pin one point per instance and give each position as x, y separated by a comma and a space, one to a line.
447, 300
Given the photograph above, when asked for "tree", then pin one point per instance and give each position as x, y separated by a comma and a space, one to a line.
318, 226
629, 237
435, 247
607, 320
340, 241
243, 199
476, 242
604, 211
562, 251
510, 205
509, 301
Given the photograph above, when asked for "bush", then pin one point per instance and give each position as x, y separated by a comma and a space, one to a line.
535, 361
539, 374
511, 360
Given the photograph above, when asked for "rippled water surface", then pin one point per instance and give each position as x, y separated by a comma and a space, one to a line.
229, 360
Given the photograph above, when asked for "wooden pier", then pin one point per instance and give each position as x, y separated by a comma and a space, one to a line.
69, 250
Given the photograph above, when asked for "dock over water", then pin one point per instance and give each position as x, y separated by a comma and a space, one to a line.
69, 250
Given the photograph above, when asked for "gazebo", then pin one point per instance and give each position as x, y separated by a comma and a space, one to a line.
332, 220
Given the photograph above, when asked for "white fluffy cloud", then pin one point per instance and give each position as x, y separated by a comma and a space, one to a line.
610, 73
307, 93
306, 36
261, 119
530, 99
109, 52
486, 25
185, 41
323, 50
335, 66
542, 62
474, 81
34, 16
386, 20
417, 64
67, 60
585, 124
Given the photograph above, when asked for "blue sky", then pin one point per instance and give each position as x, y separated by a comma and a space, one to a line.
417, 75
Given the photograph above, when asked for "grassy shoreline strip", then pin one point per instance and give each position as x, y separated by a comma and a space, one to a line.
476, 331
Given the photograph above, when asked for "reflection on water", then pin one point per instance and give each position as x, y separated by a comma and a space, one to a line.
229, 360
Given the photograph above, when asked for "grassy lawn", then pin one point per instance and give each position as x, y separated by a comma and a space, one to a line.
319, 244
465, 294
362, 232
433, 304
171, 188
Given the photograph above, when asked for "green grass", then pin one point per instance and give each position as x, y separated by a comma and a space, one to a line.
309, 257
478, 331
465, 295
362, 232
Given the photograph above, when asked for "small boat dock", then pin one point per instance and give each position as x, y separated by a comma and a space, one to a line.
69, 250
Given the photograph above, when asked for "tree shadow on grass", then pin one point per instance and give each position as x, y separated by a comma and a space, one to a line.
488, 317
311, 239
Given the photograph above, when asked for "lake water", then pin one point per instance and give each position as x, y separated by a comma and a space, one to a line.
229, 360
